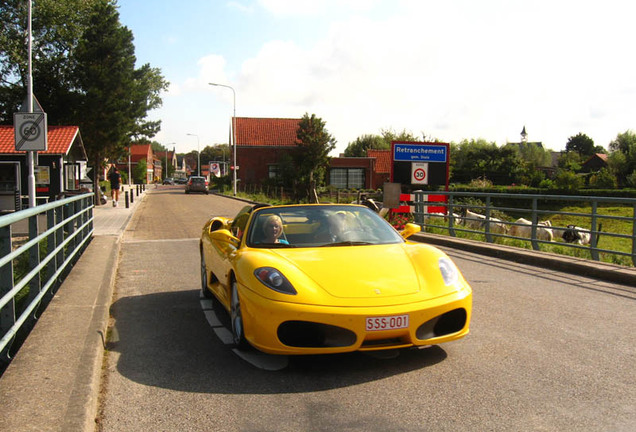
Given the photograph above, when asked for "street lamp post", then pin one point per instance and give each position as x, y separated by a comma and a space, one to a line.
198, 153
233, 134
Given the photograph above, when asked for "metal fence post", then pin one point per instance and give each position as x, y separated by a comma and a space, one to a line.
535, 220
35, 285
7, 313
593, 230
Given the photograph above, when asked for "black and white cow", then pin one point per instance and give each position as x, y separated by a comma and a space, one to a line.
575, 234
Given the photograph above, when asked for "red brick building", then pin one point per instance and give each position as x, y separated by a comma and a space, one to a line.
139, 152
261, 144
382, 167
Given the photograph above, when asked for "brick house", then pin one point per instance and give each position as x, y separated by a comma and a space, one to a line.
595, 163
382, 167
167, 158
139, 152
59, 169
261, 144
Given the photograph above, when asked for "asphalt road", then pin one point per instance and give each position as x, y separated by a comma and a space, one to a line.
547, 351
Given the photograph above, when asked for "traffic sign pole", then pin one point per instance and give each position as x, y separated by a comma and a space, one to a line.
30, 154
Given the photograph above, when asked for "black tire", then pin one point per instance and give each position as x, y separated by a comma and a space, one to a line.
204, 279
238, 333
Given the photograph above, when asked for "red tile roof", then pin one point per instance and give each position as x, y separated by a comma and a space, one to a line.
59, 140
139, 149
266, 132
382, 160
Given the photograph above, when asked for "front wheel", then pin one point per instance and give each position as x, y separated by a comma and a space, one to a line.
238, 333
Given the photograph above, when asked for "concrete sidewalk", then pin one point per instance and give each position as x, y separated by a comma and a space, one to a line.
52, 383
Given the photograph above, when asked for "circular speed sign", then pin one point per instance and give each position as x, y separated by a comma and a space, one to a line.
30, 131
419, 174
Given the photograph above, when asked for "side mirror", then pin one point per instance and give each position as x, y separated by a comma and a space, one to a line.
410, 229
225, 236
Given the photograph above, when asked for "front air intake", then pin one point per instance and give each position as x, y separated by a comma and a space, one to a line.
442, 325
305, 334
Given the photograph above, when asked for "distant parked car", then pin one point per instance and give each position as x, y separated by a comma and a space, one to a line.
181, 181
197, 184
168, 181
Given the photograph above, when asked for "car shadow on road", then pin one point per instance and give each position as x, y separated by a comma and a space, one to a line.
164, 340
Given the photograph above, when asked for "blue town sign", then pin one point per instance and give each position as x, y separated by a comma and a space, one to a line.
419, 153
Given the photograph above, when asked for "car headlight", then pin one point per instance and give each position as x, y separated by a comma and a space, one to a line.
274, 279
450, 274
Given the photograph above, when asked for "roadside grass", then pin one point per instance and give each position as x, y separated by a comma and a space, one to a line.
607, 239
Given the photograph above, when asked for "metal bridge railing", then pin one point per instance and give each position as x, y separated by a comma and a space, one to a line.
464, 215
38, 247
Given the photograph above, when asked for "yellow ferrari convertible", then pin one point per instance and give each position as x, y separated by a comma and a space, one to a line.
329, 278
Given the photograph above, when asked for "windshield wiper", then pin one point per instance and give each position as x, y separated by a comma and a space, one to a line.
347, 243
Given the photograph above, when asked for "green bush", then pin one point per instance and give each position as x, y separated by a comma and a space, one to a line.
568, 181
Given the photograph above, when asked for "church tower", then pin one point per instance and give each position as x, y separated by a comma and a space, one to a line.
524, 135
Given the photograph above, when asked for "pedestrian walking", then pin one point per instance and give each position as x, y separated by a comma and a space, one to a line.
115, 184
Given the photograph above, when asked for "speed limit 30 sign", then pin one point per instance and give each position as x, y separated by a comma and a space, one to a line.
30, 131
419, 173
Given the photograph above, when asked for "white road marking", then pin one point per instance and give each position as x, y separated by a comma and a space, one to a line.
254, 357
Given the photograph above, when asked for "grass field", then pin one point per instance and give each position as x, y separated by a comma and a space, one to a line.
607, 239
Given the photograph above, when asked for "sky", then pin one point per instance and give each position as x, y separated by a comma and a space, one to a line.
447, 70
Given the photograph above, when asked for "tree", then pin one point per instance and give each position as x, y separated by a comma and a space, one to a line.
217, 152
581, 144
312, 154
480, 159
140, 172
570, 161
115, 97
568, 181
83, 71
359, 147
532, 158
603, 179
57, 27
622, 158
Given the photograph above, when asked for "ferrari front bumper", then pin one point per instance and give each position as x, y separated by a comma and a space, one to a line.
291, 328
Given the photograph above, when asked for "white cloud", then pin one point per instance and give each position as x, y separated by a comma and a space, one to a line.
452, 70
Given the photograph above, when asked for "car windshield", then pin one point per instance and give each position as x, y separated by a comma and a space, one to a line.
318, 226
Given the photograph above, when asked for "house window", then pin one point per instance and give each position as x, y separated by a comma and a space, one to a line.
272, 171
347, 178
71, 176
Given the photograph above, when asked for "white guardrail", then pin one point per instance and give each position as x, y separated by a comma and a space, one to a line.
38, 247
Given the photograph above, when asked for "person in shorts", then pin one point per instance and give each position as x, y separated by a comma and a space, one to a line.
115, 184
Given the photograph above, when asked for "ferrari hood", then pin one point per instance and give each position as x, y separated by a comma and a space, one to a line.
358, 271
